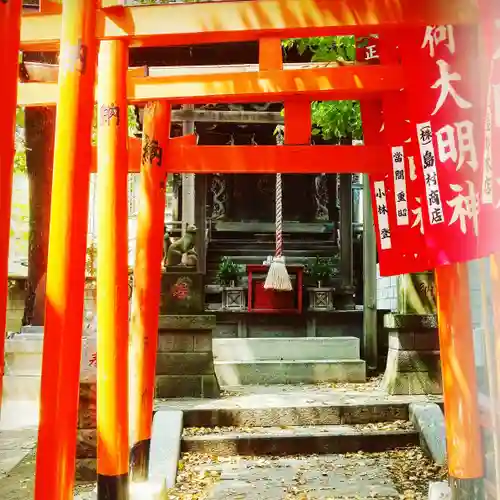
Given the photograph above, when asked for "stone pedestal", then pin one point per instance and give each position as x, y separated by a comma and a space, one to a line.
86, 445
413, 362
182, 291
184, 364
417, 293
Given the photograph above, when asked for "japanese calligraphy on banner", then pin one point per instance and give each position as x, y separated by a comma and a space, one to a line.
489, 220
367, 50
395, 202
439, 64
381, 212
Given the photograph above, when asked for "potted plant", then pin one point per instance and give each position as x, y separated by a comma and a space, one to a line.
320, 271
228, 275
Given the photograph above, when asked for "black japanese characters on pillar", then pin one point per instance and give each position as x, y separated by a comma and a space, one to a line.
151, 150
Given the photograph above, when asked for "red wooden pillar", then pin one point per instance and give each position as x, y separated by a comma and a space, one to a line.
10, 27
55, 468
147, 281
463, 435
112, 274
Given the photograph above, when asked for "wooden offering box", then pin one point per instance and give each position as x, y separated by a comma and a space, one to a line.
261, 300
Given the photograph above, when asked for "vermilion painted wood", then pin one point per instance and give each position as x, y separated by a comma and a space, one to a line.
212, 22
135, 151
274, 159
147, 272
55, 467
186, 157
347, 82
112, 268
465, 458
10, 22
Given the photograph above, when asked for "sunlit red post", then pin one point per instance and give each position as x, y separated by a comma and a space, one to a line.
147, 282
55, 467
10, 25
112, 274
433, 110
463, 436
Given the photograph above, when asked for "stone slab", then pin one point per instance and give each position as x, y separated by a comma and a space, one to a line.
165, 448
319, 478
15, 445
410, 322
410, 341
414, 361
187, 322
286, 349
299, 440
439, 491
260, 397
289, 372
86, 470
179, 363
428, 419
187, 386
412, 383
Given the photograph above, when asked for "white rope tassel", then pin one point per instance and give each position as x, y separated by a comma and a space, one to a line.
277, 276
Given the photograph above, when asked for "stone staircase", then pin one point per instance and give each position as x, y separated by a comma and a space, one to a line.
303, 360
259, 440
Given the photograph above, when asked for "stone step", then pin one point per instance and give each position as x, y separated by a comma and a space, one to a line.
304, 413
265, 250
232, 373
21, 388
286, 349
317, 440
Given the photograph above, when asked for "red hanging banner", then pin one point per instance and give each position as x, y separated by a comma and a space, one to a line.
442, 87
397, 213
490, 132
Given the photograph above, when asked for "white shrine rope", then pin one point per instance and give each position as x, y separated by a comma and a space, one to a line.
279, 216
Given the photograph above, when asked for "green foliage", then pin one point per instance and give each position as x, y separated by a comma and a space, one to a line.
333, 120
325, 48
20, 144
229, 271
321, 269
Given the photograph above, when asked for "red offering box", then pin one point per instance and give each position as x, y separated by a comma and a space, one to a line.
261, 300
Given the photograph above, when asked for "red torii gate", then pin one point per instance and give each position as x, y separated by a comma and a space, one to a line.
76, 30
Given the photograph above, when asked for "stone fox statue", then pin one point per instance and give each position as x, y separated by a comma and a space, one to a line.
166, 245
182, 251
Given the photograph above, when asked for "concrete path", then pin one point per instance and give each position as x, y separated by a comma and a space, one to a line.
312, 478
18, 435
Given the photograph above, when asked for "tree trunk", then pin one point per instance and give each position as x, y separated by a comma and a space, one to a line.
40, 125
